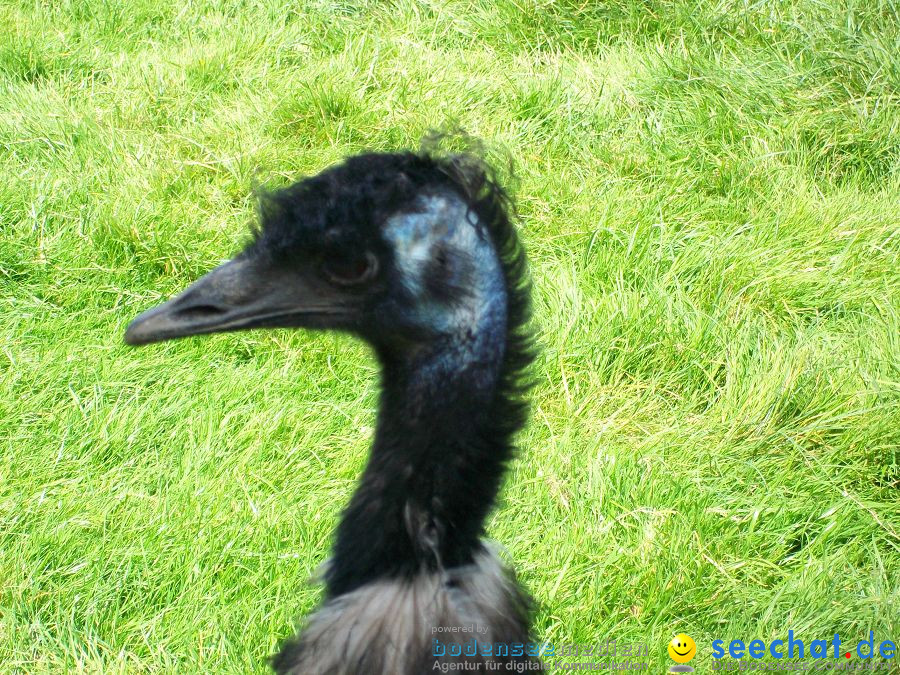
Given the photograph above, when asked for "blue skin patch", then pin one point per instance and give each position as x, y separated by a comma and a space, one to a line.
473, 321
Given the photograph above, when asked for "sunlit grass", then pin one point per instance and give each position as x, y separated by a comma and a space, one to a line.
710, 195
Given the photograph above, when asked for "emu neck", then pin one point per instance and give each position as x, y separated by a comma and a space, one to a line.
436, 461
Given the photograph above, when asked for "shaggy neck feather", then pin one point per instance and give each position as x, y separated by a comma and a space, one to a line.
436, 461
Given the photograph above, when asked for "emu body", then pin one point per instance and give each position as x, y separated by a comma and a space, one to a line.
417, 255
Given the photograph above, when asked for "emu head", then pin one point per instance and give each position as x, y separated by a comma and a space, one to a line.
396, 248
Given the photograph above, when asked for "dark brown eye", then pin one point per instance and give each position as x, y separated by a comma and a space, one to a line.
351, 270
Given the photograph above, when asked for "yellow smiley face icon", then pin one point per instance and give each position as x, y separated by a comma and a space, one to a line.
682, 648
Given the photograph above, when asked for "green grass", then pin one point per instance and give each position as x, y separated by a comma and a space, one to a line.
710, 195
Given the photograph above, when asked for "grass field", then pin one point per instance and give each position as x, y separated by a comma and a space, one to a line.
710, 195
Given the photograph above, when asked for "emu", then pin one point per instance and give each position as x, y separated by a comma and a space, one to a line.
416, 254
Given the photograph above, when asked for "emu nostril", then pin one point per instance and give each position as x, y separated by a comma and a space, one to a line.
201, 311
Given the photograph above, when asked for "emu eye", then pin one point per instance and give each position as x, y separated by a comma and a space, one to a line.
351, 271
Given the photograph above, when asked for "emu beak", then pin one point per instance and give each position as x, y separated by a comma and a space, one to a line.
242, 293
